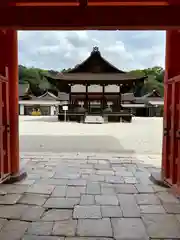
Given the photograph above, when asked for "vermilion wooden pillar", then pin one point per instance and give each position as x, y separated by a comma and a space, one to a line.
12, 63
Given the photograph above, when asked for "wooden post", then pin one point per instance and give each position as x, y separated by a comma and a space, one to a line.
103, 93
12, 63
86, 102
119, 96
70, 97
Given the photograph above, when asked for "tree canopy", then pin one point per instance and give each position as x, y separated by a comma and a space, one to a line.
39, 84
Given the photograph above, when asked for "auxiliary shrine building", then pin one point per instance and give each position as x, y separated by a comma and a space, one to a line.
96, 87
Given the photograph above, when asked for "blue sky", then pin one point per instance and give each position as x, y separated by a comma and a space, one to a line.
64, 49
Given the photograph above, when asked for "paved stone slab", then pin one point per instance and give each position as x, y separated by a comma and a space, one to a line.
87, 200
87, 212
147, 199
87, 238
107, 190
65, 228
105, 166
78, 182
2, 223
105, 172
126, 188
13, 188
14, 230
144, 188
33, 199
33, 237
40, 189
9, 199
178, 217
159, 188
94, 228
59, 191
93, 188
172, 208
53, 181
166, 197
32, 213
114, 179
152, 209
61, 202
106, 200
129, 228
40, 228
161, 225
111, 211
12, 212
128, 205
94, 178
66, 175
130, 180
26, 182
75, 191
122, 172
57, 215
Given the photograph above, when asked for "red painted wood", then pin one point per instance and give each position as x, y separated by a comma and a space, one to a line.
171, 157
12, 63
171, 141
6, 123
1, 131
139, 17
4, 110
87, 2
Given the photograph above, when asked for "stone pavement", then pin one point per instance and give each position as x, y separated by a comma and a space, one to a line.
88, 197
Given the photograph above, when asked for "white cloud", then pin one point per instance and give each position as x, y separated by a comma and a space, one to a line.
64, 49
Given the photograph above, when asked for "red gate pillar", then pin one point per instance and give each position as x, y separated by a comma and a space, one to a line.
12, 63
172, 66
171, 121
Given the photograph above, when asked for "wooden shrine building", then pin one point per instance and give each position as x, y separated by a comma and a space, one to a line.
97, 87
46, 104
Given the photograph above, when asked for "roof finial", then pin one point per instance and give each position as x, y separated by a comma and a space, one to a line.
95, 49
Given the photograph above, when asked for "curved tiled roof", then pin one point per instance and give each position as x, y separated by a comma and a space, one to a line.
95, 54
48, 96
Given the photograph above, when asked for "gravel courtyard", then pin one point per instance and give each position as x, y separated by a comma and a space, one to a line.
46, 134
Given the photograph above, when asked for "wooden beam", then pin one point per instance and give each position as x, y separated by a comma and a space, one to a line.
85, 3
127, 3
44, 3
74, 18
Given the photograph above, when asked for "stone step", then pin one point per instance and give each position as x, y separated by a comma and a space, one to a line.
94, 119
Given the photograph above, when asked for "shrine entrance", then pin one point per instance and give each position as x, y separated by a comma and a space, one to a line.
92, 14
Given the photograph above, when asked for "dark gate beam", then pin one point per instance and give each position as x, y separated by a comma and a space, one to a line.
104, 18
83, 3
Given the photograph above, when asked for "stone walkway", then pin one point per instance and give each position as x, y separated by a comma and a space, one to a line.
88, 197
